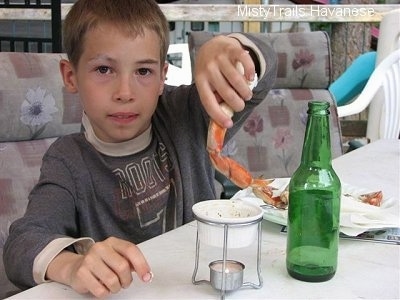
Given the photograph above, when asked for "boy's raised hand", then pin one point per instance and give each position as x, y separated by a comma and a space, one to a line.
106, 268
218, 80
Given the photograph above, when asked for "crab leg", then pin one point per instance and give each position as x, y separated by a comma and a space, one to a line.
234, 171
237, 173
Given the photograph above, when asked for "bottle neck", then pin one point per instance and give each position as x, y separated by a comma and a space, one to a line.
317, 142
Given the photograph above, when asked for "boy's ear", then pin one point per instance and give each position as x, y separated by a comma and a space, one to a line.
163, 75
68, 76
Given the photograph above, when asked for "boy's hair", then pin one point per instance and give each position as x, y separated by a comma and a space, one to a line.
130, 16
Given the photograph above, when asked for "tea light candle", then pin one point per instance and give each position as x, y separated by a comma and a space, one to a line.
233, 274
231, 266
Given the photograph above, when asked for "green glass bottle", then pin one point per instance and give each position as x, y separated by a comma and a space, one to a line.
314, 204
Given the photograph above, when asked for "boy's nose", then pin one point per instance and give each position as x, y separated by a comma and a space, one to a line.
125, 89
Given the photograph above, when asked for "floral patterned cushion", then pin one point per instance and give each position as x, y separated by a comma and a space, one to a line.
303, 59
33, 102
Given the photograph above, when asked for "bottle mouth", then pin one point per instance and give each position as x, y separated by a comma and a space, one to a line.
318, 107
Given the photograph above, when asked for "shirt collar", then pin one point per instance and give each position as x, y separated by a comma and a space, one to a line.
132, 146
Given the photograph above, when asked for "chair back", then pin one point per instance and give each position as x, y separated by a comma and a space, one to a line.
385, 78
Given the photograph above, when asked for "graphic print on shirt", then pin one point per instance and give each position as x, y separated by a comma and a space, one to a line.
145, 184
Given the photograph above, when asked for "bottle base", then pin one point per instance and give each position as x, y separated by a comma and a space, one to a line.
311, 277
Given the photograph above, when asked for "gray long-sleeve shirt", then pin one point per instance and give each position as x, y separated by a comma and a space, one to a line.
84, 193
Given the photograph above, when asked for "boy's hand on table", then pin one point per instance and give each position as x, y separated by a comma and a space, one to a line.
218, 79
105, 268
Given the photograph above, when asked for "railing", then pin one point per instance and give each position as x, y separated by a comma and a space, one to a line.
239, 13
52, 10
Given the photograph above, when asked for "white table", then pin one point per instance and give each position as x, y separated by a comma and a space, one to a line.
366, 270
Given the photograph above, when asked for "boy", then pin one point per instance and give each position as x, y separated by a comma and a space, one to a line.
142, 162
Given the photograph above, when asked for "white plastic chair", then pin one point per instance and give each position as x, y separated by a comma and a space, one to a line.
389, 41
386, 77
179, 75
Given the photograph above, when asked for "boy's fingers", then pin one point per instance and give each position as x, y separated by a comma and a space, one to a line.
121, 267
91, 284
135, 257
242, 72
230, 83
248, 65
221, 81
211, 101
237, 86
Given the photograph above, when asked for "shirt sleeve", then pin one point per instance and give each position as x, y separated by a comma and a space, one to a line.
43, 259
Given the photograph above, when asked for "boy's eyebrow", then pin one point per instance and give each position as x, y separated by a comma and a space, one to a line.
140, 61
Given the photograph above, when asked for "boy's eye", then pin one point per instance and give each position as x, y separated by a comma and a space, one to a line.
103, 69
144, 71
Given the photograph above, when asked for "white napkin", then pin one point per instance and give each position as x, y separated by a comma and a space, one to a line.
355, 217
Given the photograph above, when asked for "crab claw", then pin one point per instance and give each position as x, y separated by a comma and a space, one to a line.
265, 193
374, 198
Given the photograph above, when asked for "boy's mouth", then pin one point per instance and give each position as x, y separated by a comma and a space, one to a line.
123, 117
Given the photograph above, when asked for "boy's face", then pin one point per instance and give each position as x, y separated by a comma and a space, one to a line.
119, 79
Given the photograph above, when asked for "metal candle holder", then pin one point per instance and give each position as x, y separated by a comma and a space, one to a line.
230, 286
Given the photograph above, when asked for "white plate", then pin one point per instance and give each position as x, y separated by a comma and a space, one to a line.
350, 207
275, 215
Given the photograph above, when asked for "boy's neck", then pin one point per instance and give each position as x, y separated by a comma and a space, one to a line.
132, 146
